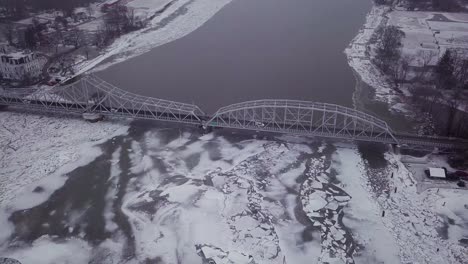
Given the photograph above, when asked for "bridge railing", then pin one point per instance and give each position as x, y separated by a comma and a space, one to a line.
304, 105
92, 94
311, 117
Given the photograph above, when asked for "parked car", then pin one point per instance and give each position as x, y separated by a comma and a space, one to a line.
51, 83
461, 174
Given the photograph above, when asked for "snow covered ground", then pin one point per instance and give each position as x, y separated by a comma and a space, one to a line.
432, 32
74, 192
358, 53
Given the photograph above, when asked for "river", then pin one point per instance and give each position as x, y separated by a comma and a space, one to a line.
263, 49
174, 195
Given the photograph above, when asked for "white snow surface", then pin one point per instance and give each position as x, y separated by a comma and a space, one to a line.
34, 147
46, 251
359, 57
39, 151
362, 214
231, 200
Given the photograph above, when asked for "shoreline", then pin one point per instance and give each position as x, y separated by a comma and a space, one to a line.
360, 61
373, 92
396, 101
400, 114
178, 20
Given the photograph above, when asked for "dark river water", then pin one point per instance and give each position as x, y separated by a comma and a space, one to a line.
254, 49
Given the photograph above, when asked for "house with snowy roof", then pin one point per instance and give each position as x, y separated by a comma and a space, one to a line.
20, 65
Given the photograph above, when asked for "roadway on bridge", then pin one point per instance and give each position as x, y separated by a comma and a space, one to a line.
93, 95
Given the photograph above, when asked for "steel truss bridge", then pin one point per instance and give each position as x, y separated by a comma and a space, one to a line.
93, 95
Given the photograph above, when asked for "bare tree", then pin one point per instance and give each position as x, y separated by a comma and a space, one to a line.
452, 102
426, 57
461, 69
389, 47
100, 37
57, 39
89, 10
10, 33
445, 69
399, 70
76, 38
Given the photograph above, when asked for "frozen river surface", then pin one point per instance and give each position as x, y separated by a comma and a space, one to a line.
110, 193
114, 192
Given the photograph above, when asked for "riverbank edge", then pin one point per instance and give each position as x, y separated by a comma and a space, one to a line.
381, 87
184, 16
361, 63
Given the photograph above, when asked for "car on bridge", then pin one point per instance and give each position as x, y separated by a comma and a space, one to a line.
259, 124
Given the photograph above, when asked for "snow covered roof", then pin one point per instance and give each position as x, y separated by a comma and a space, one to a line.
437, 172
17, 54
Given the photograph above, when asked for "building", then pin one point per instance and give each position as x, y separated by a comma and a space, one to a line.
19, 66
438, 173
441, 174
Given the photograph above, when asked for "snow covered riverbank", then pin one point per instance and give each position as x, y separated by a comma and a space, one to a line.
425, 32
360, 60
178, 20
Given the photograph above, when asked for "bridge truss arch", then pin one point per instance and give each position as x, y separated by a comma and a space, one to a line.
305, 118
91, 94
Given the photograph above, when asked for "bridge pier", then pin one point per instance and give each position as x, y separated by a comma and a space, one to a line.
3, 107
206, 129
396, 149
92, 117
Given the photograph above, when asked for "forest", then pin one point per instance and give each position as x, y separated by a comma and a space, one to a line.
17, 9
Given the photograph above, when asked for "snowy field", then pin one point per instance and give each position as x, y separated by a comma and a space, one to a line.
431, 30
74, 192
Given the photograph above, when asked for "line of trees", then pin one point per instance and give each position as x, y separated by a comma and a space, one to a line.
13, 8
17, 9
388, 53
67, 6
118, 20
452, 71
448, 74
439, 5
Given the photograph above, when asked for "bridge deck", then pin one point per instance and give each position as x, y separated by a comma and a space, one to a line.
93, 95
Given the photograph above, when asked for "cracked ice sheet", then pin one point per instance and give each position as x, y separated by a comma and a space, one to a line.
33, 147
362, 214
188, 213
46, 251
38, 151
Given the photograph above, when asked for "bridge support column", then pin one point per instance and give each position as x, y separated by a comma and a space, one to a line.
207, 130
396, 149
3, 107
92, 117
